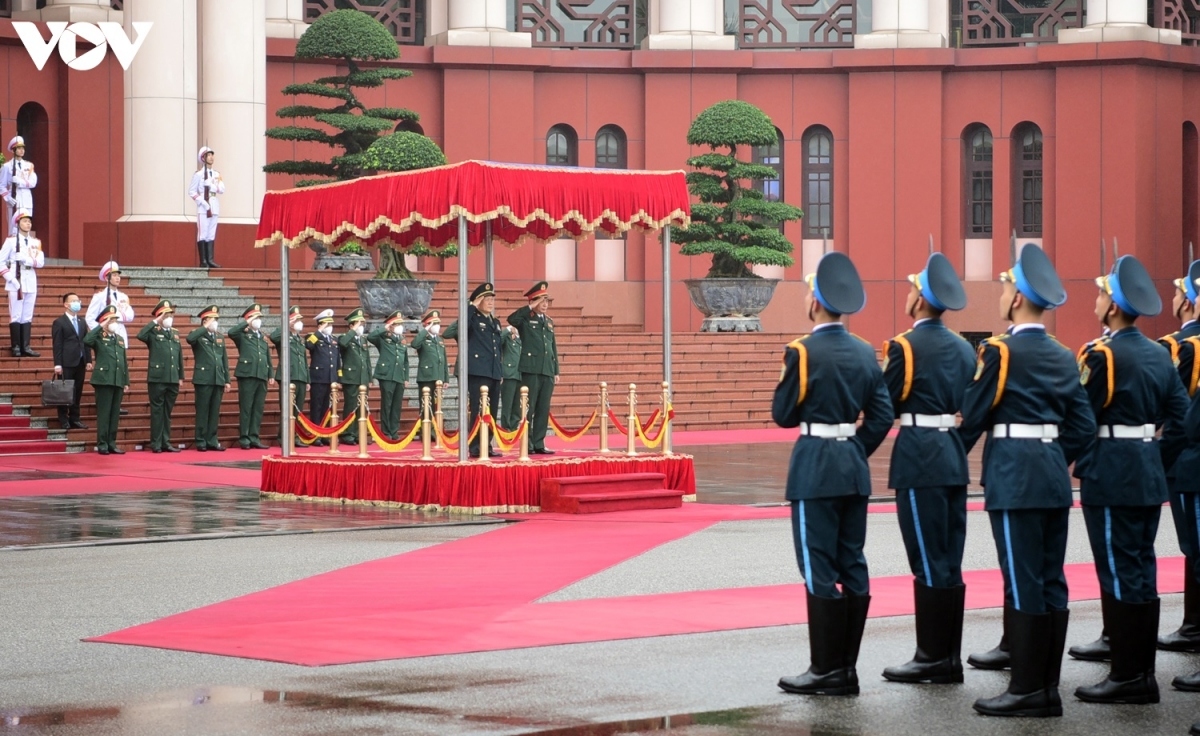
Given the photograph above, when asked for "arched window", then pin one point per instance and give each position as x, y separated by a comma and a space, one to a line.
410, 126
771, 155
818, 182
562, 146
610, 148
1027, 180
977, 181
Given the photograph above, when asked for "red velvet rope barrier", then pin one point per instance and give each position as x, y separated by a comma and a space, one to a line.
645, 425
568, 435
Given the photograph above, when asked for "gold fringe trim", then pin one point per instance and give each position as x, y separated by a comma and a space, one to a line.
459, 510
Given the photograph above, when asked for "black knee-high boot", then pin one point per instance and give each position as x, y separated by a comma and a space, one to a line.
14, 335
212, 251
26, 337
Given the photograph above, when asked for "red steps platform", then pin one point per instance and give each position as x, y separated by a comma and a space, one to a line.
18, 436
602, 493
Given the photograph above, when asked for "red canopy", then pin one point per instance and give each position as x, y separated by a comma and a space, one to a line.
523, 202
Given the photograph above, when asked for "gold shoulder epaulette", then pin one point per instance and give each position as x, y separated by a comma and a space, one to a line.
998, 342
1173, 345
802, 358
1195, 377
312, 338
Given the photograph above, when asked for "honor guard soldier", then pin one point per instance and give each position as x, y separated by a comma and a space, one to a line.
391, 370
164, 373
829, 378
254, 373
510, 388
1183, 478
325, 361
1027, 396
17, 181
431, 356
20, 255
111, 295
1133, 389
206, 185
109, 379
297, 359
927, 370
210, 376
356, 368
539, 363
485, 341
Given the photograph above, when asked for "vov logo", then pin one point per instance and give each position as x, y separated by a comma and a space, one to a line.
101, 35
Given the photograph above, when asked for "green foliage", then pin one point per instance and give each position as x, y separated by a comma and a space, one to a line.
393, 113
351, 248
347, 34
733, 222
403, 151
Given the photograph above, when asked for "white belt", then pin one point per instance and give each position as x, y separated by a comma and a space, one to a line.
941, 422
1143, 432
1043, 432
839, 432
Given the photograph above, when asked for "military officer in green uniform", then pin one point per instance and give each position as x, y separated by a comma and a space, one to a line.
109, 379
539, 361
254, 373
431, 356
164, 373
391, 370
210, 376
510, 387
297, 358
356, 368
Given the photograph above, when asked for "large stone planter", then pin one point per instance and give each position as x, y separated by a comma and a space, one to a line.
731, 305
380, 297
332, 262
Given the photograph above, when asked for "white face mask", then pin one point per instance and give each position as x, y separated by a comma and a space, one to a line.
435, 328
167, 322
298, 326
358, 329
397, 329
110, 326
214, 326
326, 329
256, 323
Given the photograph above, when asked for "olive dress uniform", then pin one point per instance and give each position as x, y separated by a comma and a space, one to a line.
539, 365
253, 372
355, 372
1183, 480
431, 358
510, 388
297, 361
163, 377
391, 370
927, 370
1027, 396
484, 364
210, 376
829, 378
325, 361
110, 378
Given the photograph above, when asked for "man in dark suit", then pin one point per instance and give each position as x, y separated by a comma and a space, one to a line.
72, 359
829, 378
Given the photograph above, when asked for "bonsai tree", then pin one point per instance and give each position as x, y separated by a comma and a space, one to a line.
733, 221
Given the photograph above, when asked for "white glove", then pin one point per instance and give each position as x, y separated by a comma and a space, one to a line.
27, 260
10, 278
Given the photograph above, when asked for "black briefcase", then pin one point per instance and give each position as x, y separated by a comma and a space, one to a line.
58, 392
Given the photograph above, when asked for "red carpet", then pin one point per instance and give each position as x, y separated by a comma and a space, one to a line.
133, 472
480, 593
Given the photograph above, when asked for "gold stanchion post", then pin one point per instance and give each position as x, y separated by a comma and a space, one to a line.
289, 432
437, 417
362, 422
426, 450
666, 428
525, 420
485, 456
630, 448
603, 411
334, 419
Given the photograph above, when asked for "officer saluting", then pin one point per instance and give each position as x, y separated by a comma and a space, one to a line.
829, 378
1027, 396
210, 376
1183, 478
391, 370
431, 356
325, 360
254, 373
164, 373
539, 364
927, 370
484, 365
297, 360
356, 368
110, 379
1133, 388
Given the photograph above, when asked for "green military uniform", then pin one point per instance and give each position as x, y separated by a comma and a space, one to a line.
210, 376
109, 379
510, 389
253, 372
355, 372
391, 370
431, 357
297, 361
164, 375
539, 364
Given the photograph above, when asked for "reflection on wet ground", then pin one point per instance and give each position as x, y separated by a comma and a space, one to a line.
186, 514
14, 474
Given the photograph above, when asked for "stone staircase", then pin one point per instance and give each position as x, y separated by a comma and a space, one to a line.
22, 434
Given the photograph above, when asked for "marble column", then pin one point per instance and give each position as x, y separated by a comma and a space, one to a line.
902, 24
285, 19
472, 23
72, 11
1118, 20
233, 101
160, 112
694, 25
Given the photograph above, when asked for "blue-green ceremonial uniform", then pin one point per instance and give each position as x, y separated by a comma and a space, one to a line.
110, 378
355, 372
485, 342
510, 387
539, 365
828, 379
254, 371
391, 370
210, 376
164, 375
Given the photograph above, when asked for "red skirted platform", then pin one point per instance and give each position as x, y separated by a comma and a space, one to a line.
481, 488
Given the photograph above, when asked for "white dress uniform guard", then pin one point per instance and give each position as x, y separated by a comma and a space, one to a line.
206, 185
20, 256
17, 179
110, 274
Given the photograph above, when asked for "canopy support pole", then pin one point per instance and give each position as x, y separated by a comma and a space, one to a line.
491, 258
463, 331
666, 270
285, 367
